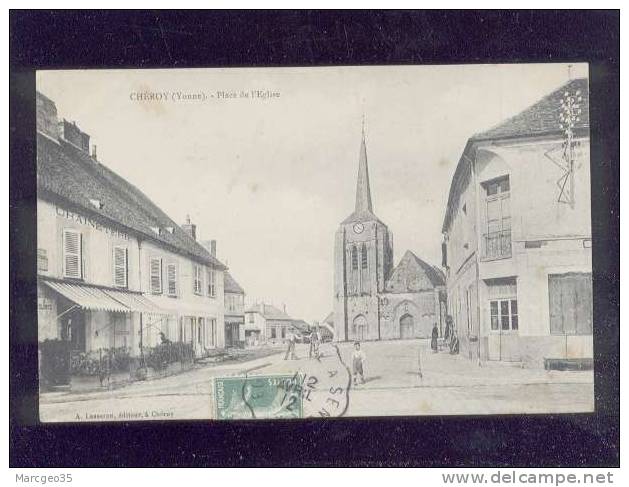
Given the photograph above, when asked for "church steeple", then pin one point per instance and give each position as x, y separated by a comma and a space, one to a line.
363, 191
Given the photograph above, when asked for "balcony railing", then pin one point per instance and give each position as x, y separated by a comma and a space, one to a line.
497, 245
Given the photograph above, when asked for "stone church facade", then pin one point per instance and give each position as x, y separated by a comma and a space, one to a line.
373, 300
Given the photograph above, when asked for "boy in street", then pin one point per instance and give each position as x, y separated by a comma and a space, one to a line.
358, 363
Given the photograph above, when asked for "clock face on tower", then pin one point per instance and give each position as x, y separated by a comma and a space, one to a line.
358, 228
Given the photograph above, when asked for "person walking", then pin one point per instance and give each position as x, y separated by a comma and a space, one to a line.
435, 337
290, 349
314, 343
358, 364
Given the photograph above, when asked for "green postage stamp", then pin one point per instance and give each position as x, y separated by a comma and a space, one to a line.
258, 397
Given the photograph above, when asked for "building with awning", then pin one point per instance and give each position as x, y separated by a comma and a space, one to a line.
114, 271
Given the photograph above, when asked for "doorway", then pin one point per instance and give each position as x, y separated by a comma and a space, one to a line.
407, 326
360, 328
74, 330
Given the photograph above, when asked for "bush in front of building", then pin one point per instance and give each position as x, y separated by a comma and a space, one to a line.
101, 362
160, 356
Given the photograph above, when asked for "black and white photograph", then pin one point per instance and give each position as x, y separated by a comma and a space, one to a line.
313, 242
315, 238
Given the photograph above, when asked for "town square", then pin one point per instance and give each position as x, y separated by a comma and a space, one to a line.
265, 257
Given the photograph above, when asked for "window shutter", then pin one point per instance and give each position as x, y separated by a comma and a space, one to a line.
172, 279
211, 283
156, 276
196, 284
120, 266
72, 265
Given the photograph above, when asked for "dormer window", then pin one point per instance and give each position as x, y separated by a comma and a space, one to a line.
170, 230
98, 204
156, 230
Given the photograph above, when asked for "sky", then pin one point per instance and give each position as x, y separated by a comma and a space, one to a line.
272, 178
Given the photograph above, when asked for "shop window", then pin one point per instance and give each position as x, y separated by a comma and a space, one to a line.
504, 315
273, 332
570, 301
503, 304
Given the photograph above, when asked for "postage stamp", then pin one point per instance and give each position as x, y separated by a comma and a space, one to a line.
259, 397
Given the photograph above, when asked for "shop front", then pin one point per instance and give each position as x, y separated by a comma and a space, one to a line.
88, 334
234, 331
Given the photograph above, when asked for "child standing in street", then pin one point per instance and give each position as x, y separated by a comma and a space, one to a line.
358, 363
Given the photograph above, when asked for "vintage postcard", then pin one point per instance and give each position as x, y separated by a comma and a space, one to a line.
287, 243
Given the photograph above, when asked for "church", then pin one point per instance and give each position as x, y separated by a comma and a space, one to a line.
373, 300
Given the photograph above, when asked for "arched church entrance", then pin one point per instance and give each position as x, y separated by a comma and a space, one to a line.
407, 326
359, 327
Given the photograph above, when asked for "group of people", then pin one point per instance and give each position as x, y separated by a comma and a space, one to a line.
450, 336
313, 351
359, 358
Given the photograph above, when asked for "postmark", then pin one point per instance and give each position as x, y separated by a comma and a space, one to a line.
323, 384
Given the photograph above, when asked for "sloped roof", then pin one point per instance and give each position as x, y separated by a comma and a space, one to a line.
413, 274
301, 325
329, 319
540, 119
268, 311
230, 284
66, 173
363, 209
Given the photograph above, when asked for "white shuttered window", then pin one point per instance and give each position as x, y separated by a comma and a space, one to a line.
211, 283
72, 258
156, 275
197, 279
171, 276
120, 266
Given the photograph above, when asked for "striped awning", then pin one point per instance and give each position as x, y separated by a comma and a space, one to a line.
88, 297
136, 302
99, 299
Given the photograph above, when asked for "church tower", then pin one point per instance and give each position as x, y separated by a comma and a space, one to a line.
363, 260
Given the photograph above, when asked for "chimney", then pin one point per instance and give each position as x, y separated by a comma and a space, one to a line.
47, 122
213, 248
73, 134
189, 228
94, 152
284, 308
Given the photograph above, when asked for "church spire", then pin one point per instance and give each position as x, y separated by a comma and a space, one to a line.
363, 191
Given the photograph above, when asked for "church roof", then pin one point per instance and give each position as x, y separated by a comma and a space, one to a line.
363, 209
412, 274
